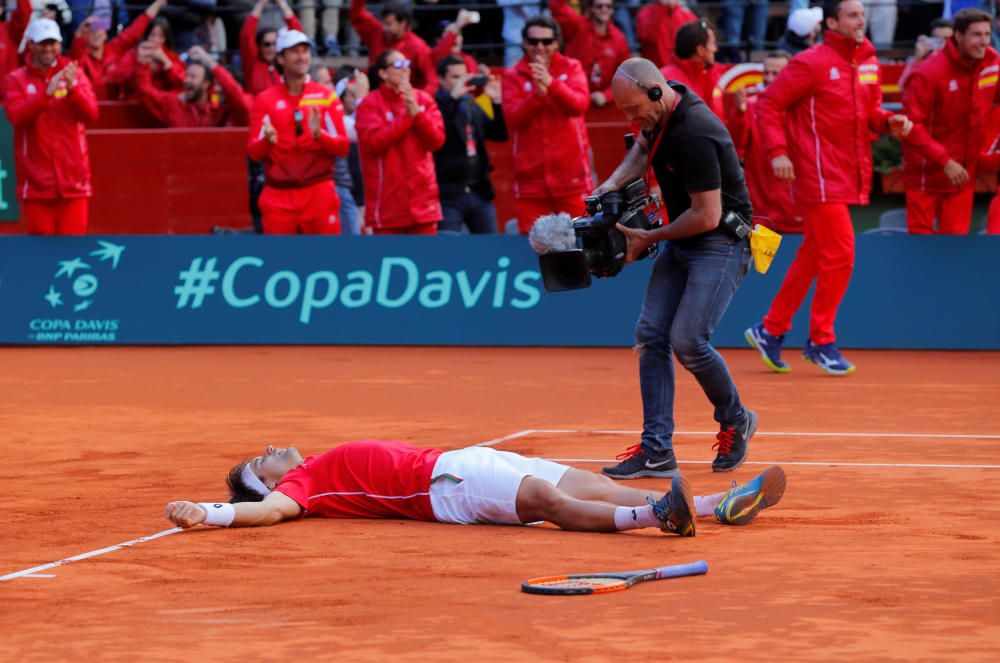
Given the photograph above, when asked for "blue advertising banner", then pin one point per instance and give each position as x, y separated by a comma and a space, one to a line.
907, 292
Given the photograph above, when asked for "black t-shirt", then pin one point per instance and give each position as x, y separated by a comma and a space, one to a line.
697, 154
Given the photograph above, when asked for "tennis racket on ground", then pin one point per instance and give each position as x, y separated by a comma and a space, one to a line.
602, 583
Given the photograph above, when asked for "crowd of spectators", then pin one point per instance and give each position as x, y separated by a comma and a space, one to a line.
400, 146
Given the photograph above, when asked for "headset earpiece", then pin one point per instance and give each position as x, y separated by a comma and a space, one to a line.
654, 93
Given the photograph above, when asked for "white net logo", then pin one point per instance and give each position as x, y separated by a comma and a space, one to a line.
81, 288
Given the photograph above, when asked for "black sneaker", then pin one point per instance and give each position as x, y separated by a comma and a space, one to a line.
732, 444
636, 462
675, 510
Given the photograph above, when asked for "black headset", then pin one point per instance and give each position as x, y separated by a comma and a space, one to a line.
654, 93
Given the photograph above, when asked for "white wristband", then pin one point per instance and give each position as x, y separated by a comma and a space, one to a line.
220, 514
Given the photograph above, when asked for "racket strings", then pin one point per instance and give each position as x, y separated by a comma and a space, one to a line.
569, 583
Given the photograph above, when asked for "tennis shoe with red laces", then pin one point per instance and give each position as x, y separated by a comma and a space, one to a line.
732, 444
636, 462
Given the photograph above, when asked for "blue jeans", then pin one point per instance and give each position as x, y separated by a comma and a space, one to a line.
690, 288
478, 215
350, 224
733, 12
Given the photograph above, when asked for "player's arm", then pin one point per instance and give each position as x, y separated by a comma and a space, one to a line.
271, 511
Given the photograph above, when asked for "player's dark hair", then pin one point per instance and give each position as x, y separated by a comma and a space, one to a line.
448, 61
238, 492
400, 10
164, 25
942, 23
344, 71
543, 21
968, 16
689, 37
381, 63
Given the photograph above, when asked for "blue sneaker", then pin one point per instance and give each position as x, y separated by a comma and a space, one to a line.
769, 347
675, 510
828, 358
742, 503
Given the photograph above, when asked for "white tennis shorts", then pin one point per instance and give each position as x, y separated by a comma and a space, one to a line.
487, 490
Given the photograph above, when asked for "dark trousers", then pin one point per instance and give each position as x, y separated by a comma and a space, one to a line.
470, 209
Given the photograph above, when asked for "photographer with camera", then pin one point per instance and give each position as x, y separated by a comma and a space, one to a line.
705, 256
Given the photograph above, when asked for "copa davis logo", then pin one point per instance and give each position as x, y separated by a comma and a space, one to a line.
397, 281
74, 287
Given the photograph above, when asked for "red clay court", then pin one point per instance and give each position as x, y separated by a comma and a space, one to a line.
885, 546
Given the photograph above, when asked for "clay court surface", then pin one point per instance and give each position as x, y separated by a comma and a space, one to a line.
885, 546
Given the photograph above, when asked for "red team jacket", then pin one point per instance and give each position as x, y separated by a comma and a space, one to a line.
258, 75
548, 137
114, 50
172, 110
297, 160
365, 479
949, 100
50, 147
397, 160
423, 71
11, 32
124, 75
443, 48
599, 55
832, 98
656, 29
704, 82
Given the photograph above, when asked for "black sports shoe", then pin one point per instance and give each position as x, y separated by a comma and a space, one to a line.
636, 462
675, 510
732, 444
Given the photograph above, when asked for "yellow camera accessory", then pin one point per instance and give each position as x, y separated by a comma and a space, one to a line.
764, 244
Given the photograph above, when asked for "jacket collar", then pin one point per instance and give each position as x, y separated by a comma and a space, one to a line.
695, 69
848, 48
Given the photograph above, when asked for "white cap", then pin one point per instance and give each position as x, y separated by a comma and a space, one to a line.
42, 29
288, 38
803, 21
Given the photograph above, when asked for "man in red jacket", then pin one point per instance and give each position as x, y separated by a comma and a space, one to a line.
595, 42
257, 48
774, 203
11, 32
949, 98
816, 120
656, 27
545, 96
395, 32
297, 130
49, 101
198, 105
97, 55
399, 129
693, 64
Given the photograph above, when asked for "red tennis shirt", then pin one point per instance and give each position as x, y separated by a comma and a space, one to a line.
365, 479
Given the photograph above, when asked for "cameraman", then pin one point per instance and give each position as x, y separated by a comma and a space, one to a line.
706, 254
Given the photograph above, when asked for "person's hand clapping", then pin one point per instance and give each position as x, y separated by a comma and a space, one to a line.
598, 98
201, 56
270, 133
184, 514
409, 99
314, 121
69, 73
541, 76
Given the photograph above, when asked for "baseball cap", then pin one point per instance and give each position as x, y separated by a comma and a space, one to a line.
43, 29
803, 21
288, 38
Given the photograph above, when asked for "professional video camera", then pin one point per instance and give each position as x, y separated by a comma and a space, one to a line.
569, 251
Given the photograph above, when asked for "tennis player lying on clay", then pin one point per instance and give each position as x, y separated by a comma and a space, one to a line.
379, 479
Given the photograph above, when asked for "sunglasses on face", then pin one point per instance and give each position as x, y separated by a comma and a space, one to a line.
544, 41
603, 6
400, 64
267, 44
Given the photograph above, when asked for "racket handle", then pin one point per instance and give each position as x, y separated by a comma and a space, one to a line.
680, 570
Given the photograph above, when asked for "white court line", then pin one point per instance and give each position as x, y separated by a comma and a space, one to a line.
933, 436
92, 553
40, 575
514, 436
802, 462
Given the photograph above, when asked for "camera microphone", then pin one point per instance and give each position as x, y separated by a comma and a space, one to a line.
552, 233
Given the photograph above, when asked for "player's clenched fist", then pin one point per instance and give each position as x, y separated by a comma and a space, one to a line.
184, 514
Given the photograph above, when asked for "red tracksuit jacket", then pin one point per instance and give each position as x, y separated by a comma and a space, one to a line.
297, 160
704, 82
949, 100
548, 135
656, 29
114, 50
50, 148
173, 110
397, 160
258, 75
821, 111
599, 55
11, 32
422, 67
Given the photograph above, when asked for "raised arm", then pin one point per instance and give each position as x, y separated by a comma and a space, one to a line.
569, 20
364, 23
275, 508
